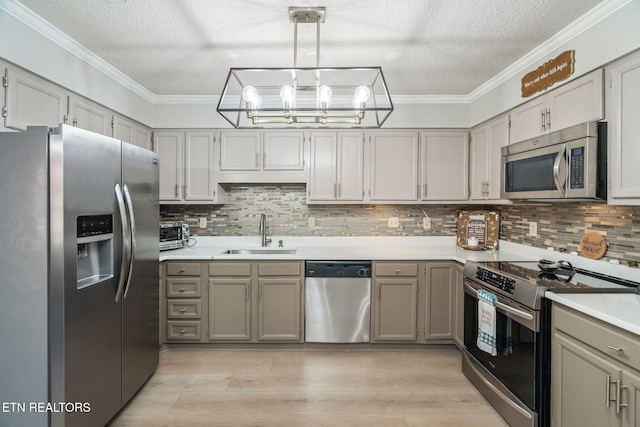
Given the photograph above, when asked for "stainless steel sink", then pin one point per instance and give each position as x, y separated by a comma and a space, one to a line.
260, 251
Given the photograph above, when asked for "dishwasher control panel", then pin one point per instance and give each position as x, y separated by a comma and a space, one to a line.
338, 269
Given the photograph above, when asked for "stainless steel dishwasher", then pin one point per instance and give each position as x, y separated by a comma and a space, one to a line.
337, 301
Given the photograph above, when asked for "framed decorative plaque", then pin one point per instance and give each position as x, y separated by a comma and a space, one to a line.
482, 225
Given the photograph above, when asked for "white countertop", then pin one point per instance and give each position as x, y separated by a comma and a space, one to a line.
342, 248
621, 310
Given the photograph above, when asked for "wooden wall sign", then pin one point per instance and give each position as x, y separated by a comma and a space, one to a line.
593, 245
482, 224
553, 71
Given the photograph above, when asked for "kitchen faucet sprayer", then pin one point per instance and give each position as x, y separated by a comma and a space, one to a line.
263, 229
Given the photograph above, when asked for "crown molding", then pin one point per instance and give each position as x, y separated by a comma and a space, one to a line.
52, 33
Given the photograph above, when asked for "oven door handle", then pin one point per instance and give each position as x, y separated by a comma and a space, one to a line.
503, 306
560, 181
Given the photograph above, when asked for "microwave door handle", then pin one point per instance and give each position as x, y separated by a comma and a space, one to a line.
556, 170
125, 232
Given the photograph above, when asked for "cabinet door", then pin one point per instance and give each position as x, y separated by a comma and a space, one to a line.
350, 166
444, 166
458, 304
576, 102
394, 166
32, 102
169, 146
128, 131
279, 309
498, 138
581, 379
479, 160
322, 175
89, 116
630, 397
440, 321
395, 309
283, 151
199, 184
240, 151
527, 120
624, 128
229, 309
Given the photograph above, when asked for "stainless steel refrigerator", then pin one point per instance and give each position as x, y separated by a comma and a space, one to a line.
78, 275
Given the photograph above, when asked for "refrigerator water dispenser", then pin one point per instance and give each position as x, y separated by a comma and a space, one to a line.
95, 249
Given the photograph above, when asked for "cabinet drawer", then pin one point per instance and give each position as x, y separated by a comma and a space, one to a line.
230, 269
183, 330
183, 269
396, 269
184, 309
183, 288
599, 335
279, 269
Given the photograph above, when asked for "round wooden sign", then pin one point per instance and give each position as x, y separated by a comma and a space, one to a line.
593, 245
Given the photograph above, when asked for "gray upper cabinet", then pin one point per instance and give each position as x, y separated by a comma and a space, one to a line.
89, 116
444, 165
624, 128
579, 101
30, 101
484, 164
131, 132
394, 166
262, 156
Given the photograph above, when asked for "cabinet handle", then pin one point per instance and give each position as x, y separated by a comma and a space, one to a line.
259, 292
424, 190
182, 270
264, 159
183, 310
75, 122
182, 331
608, 393
620, 350
619, 405
181, 290
542, 125
397, 271
186, 190
257, 160
248, 292
378, 292
65, 119
177, 190
548, 118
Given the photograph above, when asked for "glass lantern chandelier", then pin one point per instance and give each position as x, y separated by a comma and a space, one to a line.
305, 97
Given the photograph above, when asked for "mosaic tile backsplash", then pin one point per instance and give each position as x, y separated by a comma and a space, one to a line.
560, 225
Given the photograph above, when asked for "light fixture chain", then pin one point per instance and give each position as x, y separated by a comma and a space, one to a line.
295, 41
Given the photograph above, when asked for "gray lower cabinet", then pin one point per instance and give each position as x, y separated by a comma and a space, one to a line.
595, 377
439, 301
230, 301
394, 304
255, 301
458, 304
183, 305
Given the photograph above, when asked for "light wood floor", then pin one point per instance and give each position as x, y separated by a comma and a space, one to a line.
309, 388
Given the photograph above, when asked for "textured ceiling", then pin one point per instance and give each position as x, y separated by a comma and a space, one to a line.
425, 47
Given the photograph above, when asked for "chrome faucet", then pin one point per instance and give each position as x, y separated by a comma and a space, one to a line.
263, 229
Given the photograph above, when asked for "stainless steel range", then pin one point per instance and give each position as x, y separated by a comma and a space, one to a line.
516, 381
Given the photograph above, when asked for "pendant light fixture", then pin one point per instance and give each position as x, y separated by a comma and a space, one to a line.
305, 97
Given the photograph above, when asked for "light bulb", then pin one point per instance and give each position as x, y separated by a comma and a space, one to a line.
324, 95
249, 93
361, 94
256, 102
287, 93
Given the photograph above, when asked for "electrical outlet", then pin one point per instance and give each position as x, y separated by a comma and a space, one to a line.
394, 222
312, 222
533, 229
426, 223
203, 222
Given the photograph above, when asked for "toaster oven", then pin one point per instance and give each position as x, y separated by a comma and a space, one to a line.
174, 236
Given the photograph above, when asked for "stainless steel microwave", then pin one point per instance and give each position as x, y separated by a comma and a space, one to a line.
174, 236
567, 165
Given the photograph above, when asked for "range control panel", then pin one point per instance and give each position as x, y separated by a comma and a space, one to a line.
496, 280
576, 172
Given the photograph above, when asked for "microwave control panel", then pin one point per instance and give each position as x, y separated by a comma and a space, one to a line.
576, 168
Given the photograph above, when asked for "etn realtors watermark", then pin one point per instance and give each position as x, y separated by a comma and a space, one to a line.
39, 407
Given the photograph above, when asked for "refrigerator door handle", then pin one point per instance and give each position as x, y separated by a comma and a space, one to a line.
132, 222
125, 243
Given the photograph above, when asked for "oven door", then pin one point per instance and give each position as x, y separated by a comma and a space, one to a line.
516, 368
535, 174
